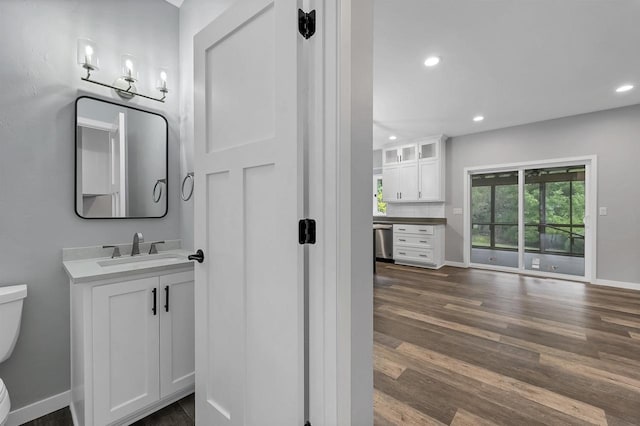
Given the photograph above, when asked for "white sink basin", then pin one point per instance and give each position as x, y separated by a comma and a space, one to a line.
142, 260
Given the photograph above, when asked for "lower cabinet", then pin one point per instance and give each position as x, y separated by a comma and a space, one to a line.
138, 352
419, 245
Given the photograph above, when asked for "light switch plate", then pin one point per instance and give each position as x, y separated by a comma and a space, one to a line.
457, 210
602, 211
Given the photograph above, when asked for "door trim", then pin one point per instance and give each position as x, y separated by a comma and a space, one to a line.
591, 200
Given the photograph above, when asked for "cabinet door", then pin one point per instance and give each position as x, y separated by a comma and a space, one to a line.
430, 181
390, 156
408, 153
390, 188
125, 348
429, 150
408, 182
177, 328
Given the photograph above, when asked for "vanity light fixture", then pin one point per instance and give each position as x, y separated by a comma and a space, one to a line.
624, 88
161, 83
130, 73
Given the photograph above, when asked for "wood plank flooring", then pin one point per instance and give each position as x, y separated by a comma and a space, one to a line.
473, 347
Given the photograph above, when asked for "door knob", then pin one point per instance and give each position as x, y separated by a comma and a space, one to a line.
199, 256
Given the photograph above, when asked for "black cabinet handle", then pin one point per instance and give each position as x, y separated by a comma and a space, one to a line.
155, 301
199, 256
166, 299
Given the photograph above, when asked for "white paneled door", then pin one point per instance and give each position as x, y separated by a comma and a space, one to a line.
249, 289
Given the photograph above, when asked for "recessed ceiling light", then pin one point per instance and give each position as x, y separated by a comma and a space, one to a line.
431, 61
624, 88
478, 118
393, 138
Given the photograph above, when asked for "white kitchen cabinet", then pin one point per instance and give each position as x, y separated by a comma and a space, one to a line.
390, 183
407, 182
399, 183
418, 245
132, 346
430, 180
414, 172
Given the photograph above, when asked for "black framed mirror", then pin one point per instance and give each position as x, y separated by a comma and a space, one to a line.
121, 161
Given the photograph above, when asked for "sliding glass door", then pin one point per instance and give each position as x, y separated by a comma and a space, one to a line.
554, 212
494, 219
530, 217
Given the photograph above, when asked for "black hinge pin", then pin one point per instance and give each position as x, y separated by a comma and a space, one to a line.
307, 23
307, 231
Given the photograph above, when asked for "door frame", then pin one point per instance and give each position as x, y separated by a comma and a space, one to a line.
340, 280
591, 219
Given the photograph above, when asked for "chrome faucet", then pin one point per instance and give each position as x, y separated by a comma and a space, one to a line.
137, 239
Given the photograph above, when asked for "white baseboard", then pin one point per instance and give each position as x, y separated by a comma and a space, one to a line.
455, 264
39, 409
618, 284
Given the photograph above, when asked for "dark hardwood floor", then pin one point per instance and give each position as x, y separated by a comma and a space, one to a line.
473, 347
180, 413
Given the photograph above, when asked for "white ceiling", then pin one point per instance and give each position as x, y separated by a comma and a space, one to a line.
512, 61
176, 3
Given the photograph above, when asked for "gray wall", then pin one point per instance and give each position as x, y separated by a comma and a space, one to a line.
40, 81
613, 135
194, 16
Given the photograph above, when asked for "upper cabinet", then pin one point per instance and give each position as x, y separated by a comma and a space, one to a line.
400, 154
414, 172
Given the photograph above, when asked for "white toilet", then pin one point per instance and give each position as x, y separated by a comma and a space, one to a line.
11, 299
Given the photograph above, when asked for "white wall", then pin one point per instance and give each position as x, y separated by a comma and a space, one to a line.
40, 82
194, 16
612, 135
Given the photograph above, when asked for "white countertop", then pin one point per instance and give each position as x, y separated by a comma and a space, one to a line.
87, 270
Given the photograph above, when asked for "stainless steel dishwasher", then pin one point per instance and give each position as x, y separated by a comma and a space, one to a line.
384, 241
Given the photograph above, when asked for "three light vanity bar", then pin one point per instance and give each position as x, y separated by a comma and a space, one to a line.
125, 84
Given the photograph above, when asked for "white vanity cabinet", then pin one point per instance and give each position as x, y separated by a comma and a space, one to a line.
132, 346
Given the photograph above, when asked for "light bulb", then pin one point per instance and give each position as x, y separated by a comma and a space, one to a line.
163, 76
129, 68
88, 54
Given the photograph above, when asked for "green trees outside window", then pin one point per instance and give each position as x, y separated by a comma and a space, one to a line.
554, 208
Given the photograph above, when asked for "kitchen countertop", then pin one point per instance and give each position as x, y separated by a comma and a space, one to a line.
410, 220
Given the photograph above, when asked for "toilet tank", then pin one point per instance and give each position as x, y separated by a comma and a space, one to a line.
11, 299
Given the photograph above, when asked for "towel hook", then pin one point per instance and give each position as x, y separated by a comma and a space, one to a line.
158, 182
189, 176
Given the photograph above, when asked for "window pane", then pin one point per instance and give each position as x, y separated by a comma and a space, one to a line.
532, 203
382, 206
480, 235
481, 204
557, 202
506, 204
578, 202
507, 236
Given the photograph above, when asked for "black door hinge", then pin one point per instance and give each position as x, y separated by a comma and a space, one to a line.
307, 23
307, 231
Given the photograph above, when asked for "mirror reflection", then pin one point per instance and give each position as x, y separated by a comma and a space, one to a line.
121, 161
